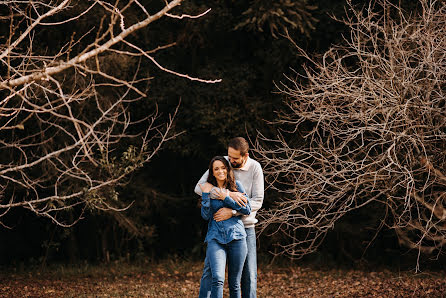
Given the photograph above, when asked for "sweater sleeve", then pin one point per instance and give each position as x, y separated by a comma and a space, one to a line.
257, 190
202, 180
205, 206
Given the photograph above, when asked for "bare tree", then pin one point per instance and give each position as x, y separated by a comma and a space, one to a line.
365, 123
68, 135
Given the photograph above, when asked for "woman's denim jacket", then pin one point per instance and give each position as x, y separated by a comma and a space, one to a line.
227, 230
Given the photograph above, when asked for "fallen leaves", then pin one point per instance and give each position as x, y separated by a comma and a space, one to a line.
183, 281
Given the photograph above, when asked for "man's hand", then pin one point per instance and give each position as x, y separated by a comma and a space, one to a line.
239, 198
223, 214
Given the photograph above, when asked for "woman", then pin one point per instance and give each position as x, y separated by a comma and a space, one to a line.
225, 239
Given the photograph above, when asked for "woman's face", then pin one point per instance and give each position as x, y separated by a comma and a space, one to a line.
219, 170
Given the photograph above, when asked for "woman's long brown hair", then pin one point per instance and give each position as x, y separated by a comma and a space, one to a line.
230, 180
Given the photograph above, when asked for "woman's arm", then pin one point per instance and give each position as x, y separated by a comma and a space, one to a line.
205, 206
205, 201
230, 203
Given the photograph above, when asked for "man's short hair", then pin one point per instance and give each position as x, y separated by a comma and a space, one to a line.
239, 144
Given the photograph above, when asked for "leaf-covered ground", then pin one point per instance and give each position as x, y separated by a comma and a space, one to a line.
181, 279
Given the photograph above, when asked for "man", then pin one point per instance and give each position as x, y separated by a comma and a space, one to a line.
250, 174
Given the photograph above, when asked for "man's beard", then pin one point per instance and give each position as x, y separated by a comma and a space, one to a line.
237, 165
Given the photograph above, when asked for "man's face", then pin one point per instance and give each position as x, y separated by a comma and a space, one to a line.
236, 159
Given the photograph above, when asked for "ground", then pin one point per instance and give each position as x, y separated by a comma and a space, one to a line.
181, 279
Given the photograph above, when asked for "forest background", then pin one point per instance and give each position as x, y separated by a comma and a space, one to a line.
252, 59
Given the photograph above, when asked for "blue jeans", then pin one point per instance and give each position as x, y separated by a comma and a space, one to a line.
249, 274
235, 252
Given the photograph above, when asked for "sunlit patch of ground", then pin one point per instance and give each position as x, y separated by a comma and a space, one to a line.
181, 279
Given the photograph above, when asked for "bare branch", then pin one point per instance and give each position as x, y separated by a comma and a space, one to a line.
69, 134
364, 123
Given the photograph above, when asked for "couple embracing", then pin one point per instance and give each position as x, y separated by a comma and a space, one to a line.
231, 191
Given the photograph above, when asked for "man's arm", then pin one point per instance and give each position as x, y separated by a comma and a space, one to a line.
202, 180
257, 190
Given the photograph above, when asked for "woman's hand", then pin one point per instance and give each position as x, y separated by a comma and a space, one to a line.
219, 193
206, 187
239, 198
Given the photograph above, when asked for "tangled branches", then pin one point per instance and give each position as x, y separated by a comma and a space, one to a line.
278, 16
372, 120
70, 79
